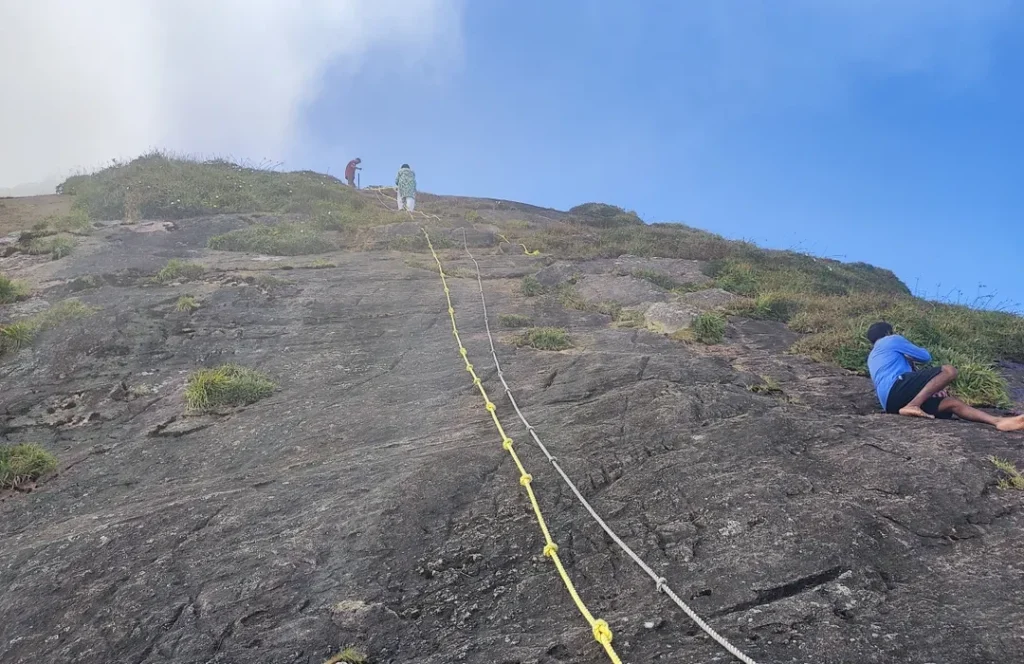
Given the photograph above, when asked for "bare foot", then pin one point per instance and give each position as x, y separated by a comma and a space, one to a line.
1011, 423
915, 411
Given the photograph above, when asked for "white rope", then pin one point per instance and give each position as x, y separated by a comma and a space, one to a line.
659, 581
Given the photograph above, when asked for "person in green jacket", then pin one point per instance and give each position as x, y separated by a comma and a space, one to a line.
406, 183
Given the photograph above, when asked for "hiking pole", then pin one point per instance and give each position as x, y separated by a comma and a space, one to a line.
357, 179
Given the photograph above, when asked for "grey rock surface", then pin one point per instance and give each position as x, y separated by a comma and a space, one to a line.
368, 501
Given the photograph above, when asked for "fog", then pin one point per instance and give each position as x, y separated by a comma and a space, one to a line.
84, 82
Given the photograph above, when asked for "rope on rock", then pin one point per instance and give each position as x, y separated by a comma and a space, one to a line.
660, 584
602, 633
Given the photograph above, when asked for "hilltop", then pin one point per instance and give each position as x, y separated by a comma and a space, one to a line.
245, 433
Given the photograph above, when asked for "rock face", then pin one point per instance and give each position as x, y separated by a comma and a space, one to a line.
369, 501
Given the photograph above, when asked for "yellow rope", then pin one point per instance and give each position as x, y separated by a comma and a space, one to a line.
602, 633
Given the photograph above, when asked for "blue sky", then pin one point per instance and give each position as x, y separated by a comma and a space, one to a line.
888, 132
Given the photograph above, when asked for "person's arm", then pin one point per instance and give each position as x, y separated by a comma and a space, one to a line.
913, 353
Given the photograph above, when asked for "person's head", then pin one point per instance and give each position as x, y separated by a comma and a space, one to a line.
879, 330
358, 160
405, 165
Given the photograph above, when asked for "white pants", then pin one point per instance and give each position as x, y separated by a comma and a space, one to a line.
410, 202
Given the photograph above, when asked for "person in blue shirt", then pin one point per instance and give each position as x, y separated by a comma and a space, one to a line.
920, 393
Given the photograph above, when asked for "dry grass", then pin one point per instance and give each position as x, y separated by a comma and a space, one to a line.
280, 240
1011, 477
19, 334
12, 290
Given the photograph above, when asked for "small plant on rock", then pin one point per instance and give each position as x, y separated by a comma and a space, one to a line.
768, 386
179, 270
530, 287
348, 656
320, 264
186, 304
226, 385
1012, 478
11, 290
24, 463
708, 328
544, 338
58, 246
513, 320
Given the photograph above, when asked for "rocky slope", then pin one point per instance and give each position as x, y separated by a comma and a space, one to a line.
368, 501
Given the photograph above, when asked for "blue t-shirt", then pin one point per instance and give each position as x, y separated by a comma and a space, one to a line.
888, 361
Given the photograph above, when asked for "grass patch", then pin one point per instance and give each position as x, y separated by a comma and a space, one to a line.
226, 385
280, 240
544, 338
320, 264
658, 279
11, 290
24, 463
348, 656
602, 215
708, 328
768, 306
530, 287
971, 340
513, 320
186, 304
1011, 477
165, 186
630, 318
179, 270
19, 334
57, 246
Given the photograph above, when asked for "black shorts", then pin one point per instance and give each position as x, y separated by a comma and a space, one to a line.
908, 386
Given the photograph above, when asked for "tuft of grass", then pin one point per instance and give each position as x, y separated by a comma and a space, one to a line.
769, 306
320, 264
629, 318
1012, 478
15, 336
708, 328
544, 338
768, 386
281, 240
348, 656
530, 287
513, 320
179, 270
186, 304
57, 246
20, 334
225, 385
24, 463
11, 290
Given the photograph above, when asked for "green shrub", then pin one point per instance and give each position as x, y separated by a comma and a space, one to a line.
15, 336
58, 246
708, 328
544, 338
24, 463
11, 290
530, 287
978, 381
513, 320
75, 222
280, 240
226, 385
179, 270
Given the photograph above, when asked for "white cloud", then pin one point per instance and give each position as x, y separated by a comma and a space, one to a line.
84, 82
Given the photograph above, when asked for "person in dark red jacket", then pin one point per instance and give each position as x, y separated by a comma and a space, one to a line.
350, 171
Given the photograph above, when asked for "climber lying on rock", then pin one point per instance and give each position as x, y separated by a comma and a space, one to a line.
920, 393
